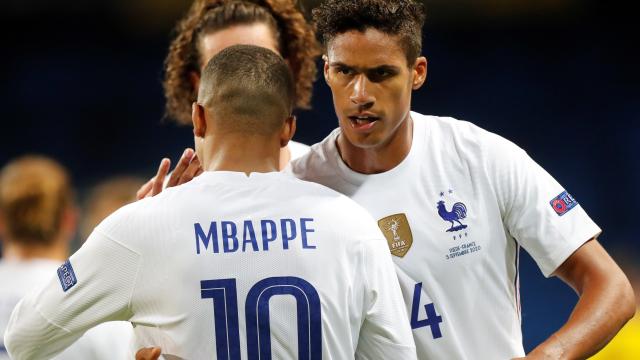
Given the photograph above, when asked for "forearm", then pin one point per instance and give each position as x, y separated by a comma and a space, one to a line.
606, 303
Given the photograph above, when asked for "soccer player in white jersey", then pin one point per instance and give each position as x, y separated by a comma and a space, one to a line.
455, 202
37, 222
222, 267
208, 27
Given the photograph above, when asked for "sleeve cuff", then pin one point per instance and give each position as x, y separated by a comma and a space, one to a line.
585, 234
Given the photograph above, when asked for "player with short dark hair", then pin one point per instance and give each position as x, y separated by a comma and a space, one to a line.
455, 202
221, 267
402, 18
243, 91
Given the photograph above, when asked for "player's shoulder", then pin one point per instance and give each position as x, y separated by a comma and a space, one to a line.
316, 193
468, 139
351, 218
319, 161
298, 149
301, 186
453, 128
332, 204
133, 216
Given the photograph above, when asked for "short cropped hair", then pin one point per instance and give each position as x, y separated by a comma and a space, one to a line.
249, 87
403, 18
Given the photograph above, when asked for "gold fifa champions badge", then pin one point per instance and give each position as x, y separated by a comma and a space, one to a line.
398, 233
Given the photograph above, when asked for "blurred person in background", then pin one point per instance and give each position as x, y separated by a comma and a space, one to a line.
106, 197
38, 219
212, 25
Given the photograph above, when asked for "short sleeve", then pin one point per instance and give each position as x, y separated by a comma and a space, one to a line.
385, 332
537, 211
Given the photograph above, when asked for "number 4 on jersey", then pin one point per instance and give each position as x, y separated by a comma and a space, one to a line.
432, 320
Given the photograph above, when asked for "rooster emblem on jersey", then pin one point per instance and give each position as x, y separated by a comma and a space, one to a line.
457, 213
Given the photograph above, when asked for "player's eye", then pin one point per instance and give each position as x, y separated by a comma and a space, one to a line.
380, 74
345, 71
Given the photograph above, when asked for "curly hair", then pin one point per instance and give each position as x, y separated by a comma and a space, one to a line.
395, 17
296, 39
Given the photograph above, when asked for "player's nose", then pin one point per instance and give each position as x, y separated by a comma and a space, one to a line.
361, 95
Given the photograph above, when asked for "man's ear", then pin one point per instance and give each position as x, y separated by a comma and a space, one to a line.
199, 120
325, 68
288, 130
194, 78
419, 72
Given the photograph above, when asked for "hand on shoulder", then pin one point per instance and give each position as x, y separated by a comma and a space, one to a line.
188, 167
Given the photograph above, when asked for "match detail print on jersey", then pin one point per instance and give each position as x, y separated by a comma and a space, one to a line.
398, 233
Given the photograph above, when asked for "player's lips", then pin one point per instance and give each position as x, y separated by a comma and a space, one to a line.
363, 121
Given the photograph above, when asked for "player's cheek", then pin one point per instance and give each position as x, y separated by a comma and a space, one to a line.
340, 98
399, 97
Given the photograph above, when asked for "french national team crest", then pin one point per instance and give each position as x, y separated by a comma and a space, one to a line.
454, 216
397, 232
457, 213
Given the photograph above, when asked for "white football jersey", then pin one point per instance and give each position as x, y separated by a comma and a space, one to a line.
107, 341
229, 266
455, 212
296, 150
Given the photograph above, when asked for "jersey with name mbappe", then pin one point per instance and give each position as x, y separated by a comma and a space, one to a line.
229, 266
455, 212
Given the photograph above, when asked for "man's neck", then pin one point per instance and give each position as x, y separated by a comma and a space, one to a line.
242, 154
285, 157
378, 159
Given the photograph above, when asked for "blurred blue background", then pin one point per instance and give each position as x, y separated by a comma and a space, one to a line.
81, 82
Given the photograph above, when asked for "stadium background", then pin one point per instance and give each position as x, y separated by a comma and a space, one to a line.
81, 83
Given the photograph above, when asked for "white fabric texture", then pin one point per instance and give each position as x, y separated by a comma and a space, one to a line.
161, 264
297, 149
465, 200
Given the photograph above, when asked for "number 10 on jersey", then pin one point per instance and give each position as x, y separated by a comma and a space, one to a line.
224, 294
